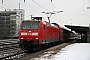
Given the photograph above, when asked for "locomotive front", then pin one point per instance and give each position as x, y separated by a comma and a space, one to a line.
29, 34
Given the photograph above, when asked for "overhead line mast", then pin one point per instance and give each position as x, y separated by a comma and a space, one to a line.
51, 0
19, 5
24, 1
2, 1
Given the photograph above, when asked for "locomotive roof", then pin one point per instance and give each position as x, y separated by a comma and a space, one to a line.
45, 22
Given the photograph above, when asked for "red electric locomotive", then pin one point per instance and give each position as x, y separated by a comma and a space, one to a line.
34, 33
38, 33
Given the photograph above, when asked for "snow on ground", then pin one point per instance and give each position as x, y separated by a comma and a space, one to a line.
77, 51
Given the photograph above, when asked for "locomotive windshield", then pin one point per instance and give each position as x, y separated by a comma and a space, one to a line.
30, 25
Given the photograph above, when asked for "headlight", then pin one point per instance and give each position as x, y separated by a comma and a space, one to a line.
21, 38
23, 33
35, 34
36, 38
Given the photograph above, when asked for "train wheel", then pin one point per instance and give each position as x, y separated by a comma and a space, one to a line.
34, 48
42, 47
22, 47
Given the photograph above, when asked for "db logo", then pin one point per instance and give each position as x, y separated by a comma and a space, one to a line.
29, 33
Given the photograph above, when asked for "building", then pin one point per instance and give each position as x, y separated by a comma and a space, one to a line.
10, 22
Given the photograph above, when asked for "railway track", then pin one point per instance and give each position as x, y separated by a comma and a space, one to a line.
14, 55
10, 50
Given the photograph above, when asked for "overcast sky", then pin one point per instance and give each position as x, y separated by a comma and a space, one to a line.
75, 12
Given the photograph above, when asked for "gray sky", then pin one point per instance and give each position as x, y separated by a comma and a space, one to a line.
75, 12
